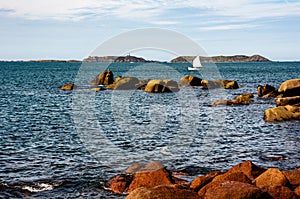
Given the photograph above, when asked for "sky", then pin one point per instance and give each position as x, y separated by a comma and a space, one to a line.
72, 29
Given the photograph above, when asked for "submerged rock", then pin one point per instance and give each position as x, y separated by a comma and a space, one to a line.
239, 100
68, 87
161, 86
104, 78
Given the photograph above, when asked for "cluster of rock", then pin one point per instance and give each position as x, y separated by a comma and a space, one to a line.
239, 100
243, 181
287, 100
107, 79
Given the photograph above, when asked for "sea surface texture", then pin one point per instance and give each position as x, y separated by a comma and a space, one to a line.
67, 143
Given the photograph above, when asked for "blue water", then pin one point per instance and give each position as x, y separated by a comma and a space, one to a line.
66, 144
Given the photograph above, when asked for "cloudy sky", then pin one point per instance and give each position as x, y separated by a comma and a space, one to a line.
72, 29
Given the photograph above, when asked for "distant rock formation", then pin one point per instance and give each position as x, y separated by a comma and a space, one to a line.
235, 58
127, 58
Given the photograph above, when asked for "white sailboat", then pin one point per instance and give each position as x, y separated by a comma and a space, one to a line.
196, 64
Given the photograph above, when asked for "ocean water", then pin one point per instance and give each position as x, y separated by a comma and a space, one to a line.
67, 144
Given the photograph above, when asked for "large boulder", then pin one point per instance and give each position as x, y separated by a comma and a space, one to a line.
190, 80
231, 189
282, 113
201, 181
150, 175
293, 176
288, 101
251, 170
162, 192
280, 192
271, 177
233, 176
67, 87
290, 88
161, 86
127, 83
297, 191
104, 78
266, 91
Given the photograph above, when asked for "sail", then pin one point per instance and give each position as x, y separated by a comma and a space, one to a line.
196, 62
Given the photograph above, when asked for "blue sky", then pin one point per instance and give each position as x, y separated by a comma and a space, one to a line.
72, 29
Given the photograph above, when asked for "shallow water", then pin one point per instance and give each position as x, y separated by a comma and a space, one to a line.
66, 144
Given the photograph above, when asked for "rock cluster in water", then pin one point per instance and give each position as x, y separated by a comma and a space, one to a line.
287, 96
287, 101
243, 181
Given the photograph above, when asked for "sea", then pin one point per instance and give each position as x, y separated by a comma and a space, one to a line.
67, 144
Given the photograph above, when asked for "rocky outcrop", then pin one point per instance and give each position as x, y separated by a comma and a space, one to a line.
161, 86
245, 180
239, 100
226, 84
190, 80
104, 78
235, 58
67, 87
282, 113
267, 91
290, 88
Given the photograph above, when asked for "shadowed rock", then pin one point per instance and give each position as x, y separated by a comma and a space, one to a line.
280, 192
266, 91
201, 181
290, 88
161, 86
190, 80
104, 78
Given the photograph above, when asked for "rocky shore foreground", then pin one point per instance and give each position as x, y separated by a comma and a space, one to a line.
243, 181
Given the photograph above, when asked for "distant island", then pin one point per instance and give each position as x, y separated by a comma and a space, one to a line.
234, 58
127, 58
180, 59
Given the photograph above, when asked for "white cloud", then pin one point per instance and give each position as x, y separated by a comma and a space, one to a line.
230, 27
150, 11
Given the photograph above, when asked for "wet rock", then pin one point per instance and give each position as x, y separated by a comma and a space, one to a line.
151, 175
280, 192
227, 84
267, 91
161, 86
162, 192
251, 170
288, 101
201, 181
282, 113
127, 83
239, 100
293, 177
190, 80
67, 87
104, 78
231, 189
290, 88
271, 177
119, 184
233, 176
